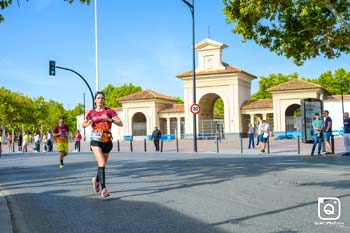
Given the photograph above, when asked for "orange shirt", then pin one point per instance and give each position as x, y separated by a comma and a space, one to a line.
63, 138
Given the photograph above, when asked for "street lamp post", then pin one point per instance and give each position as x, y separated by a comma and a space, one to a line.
191, 6
341, 92
84, 118
96, 49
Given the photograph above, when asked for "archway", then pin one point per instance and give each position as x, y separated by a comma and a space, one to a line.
211, 117
139, 124
292, 116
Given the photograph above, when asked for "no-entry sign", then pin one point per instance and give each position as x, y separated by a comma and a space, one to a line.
195, 109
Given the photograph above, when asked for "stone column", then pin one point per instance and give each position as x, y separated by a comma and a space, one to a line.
264, 116
251, 119
168, 125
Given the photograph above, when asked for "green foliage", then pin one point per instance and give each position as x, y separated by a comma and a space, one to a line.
38, 115
6, 3
178, 100
219, 109
334, 84
270, 81
21, 112
297, 29
113, 93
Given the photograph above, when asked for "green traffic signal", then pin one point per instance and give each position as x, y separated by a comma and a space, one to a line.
52, 67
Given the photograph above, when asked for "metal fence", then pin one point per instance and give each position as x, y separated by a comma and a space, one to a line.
211, 129
139, 128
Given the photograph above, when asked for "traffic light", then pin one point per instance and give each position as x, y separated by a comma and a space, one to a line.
52, 68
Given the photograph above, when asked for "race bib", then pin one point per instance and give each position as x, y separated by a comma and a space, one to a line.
96, 135
63, 136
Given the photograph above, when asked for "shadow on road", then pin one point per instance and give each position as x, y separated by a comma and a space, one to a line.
57, 213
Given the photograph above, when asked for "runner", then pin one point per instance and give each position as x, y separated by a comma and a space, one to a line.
61, 133
101, 120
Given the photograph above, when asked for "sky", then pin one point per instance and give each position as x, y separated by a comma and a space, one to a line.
145, 43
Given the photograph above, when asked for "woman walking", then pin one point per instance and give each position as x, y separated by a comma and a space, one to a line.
101, 120
251, 136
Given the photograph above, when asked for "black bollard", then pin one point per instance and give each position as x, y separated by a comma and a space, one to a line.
177, 144
332, 144
217, 144
131, 146
144, 143
118, 145
268, 145
161, 146
298, 145
241, 139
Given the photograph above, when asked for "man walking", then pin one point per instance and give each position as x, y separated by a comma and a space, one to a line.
156, 137
346, 122
317, 124
327, 132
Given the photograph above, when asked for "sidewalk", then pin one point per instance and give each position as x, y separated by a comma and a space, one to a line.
227, 146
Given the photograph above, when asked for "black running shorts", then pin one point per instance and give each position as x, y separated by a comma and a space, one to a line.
105, 146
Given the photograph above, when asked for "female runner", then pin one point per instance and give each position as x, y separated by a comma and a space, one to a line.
101, 120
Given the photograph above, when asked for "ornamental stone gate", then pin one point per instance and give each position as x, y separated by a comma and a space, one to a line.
215, 79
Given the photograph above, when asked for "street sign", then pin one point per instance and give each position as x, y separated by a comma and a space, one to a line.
195, 109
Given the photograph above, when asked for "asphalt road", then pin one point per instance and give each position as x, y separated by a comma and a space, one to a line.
169, 192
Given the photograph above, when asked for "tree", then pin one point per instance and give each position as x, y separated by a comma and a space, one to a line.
178, 100
20, 112
113, 93
297, 29
270, 81
6, 3
219, 109
332, 83
72, 117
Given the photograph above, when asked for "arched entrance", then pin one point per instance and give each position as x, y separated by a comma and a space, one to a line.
139, 124
211, 117
292, 116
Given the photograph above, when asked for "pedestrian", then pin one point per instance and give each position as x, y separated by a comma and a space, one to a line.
9, 142
259, 136
19, 142
265, 135
61, 133
0, 142
251, 136
317, 125
156, 134
101, 119
36, 142
25, 142
49, 141
77, 140
44, 139
327, 132
346, 122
